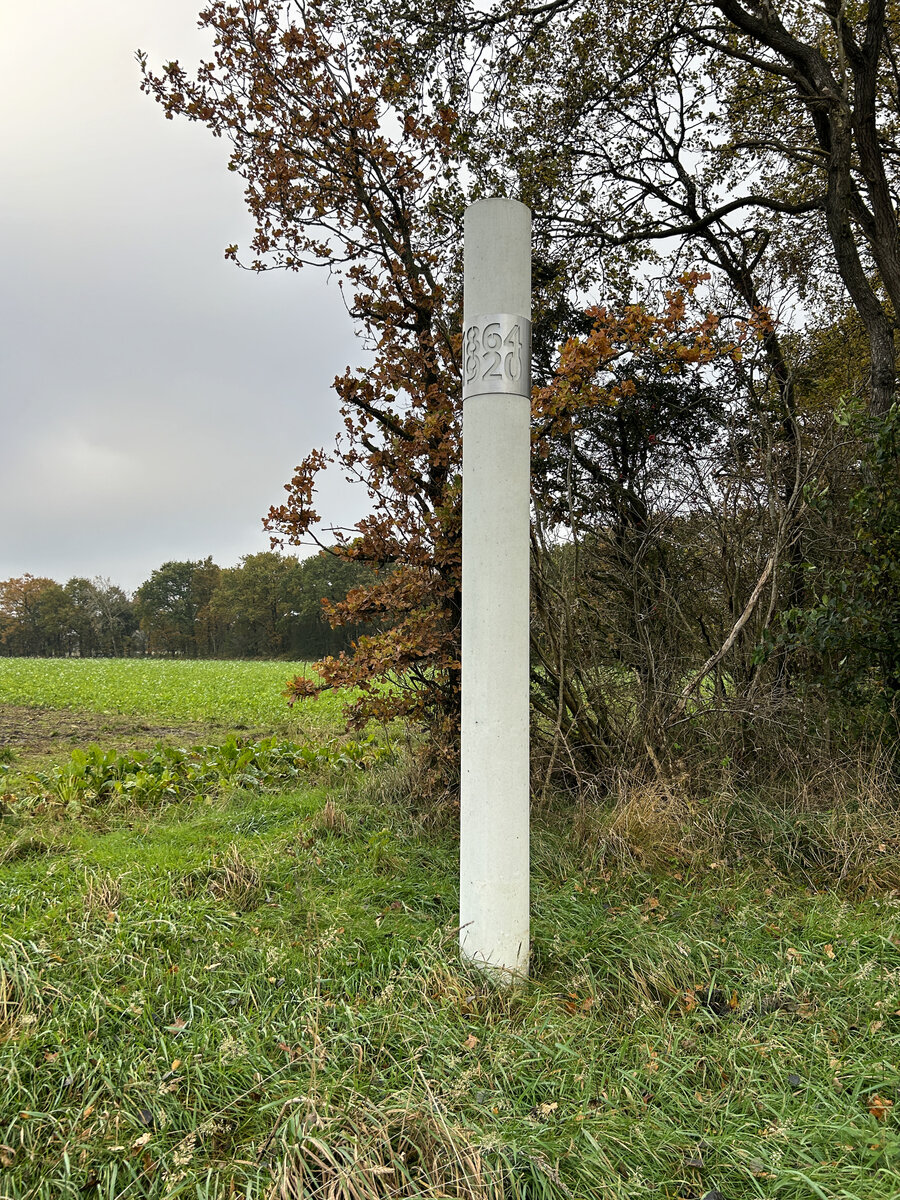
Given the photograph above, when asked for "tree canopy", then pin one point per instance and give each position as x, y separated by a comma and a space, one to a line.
268, 606
716, 261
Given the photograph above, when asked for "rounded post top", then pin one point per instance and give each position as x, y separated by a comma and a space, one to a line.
503, 201
497, 258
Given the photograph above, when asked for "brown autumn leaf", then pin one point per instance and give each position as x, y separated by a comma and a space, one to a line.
578, 1004
878, 1106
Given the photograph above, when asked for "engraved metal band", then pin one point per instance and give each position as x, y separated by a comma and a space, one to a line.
497, 356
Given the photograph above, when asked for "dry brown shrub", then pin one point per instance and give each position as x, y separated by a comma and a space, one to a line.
648, 820
854, 824
835, 822
631, 820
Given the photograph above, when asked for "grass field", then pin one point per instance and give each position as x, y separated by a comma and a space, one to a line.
253, 991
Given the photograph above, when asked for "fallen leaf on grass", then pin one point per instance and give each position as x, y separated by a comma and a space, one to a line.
575, 1004
878, 1107
545, 1110
471, 1042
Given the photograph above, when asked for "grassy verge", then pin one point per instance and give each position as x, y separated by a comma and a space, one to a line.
258, 995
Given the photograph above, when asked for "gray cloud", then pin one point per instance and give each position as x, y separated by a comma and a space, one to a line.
153, 398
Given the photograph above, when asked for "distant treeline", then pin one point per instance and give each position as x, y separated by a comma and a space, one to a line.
269, 606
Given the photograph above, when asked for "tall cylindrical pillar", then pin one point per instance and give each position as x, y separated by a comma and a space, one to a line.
494, 816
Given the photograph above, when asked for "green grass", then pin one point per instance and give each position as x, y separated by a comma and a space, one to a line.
263, 990
237, 992
231, 692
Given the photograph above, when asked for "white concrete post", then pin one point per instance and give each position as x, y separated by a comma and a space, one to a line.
494, 802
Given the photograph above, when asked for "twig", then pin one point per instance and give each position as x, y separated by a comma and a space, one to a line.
730, 640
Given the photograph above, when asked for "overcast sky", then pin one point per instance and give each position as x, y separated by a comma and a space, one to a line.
154, 398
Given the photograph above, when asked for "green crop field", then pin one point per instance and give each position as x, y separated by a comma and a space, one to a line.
229, 693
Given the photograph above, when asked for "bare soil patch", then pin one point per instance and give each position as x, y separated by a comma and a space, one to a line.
36, 733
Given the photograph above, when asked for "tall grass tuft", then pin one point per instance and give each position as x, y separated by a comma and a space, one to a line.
378, 1153
21, 995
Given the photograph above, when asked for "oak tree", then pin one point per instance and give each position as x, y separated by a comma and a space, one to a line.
347, 165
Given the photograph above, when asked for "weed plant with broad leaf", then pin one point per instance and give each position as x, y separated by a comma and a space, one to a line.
98, 779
